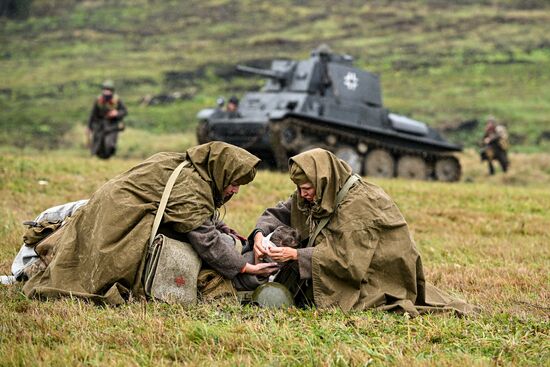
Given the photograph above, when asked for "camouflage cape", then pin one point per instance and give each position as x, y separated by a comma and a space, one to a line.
101, 250
365, 257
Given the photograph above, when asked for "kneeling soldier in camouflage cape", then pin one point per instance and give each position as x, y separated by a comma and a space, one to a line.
100, 253
356, 251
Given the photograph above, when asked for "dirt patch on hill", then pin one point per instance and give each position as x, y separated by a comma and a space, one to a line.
178, 79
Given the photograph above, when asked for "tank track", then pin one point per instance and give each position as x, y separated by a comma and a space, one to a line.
294, 135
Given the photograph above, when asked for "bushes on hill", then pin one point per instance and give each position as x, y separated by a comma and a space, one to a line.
15, 9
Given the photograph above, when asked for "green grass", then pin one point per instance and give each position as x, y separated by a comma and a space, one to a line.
484, 239
441, 62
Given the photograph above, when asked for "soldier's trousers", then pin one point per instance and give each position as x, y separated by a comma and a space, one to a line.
301, 289
105, 136
502, 157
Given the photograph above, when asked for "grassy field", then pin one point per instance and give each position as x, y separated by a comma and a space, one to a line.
483, 239
440, 61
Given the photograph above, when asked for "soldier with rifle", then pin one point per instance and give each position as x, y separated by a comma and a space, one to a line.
105, 122
495, 145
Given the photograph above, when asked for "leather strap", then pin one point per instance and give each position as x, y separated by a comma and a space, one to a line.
164, 199
339, 197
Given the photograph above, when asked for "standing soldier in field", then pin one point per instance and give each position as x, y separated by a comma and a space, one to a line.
495, 145
105, 121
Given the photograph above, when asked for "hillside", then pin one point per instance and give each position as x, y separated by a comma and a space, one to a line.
442, 62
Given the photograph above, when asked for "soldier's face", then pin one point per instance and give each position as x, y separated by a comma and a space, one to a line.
107, 93
229, 191
231, 107
307, 191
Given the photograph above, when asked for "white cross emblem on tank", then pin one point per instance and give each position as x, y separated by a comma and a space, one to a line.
350, 81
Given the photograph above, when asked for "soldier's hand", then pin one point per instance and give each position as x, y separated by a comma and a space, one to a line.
259, 251
263, 269
283, 254
112, 114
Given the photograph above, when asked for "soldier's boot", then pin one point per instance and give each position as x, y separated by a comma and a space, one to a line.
491, 168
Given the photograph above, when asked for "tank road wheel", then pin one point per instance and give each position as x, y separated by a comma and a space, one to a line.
350, 156
379, 163
410, 166
447, 169
290, 136
280, 153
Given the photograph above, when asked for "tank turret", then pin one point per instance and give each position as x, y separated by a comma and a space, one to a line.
324, 101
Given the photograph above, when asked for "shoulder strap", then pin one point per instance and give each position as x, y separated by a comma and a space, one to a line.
339, 197
164, 199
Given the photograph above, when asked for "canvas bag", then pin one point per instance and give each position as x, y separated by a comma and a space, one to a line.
171, 266
37, 231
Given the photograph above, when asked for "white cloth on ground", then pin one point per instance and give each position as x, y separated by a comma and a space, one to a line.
27, 255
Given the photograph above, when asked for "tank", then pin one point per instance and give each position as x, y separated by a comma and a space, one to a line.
324, 101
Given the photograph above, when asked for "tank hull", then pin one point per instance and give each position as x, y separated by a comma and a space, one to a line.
274, 141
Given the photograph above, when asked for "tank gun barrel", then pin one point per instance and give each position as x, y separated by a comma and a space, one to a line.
272, 74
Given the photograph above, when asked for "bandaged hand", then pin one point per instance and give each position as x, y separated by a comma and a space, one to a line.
282, 254
259, 250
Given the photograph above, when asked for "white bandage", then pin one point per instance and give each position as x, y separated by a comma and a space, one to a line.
266, 242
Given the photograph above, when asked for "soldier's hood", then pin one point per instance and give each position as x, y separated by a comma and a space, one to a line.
221, 164
326, 172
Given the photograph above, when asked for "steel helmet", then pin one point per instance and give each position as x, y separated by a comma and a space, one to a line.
108, 84
272, 295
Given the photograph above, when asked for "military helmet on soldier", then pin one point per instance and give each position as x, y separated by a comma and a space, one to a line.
108, 84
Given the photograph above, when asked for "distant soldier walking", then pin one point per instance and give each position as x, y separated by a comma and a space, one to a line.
495, 145
106, 121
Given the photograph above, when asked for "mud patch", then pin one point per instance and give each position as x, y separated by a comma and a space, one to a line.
136, 82
181, 79
230, 71
6, 92
177, 79
277, 42
168, 98
517, 139
238, 90
415, 64
225, 71
543, 137
453, 127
